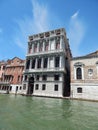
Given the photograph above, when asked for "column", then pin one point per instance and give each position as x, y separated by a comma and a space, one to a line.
82, 72
36, 60
74, 72
60, 62
61, 42
42, 61
43, 45
55, 43
48, 62
63, 62
53, 66
30, 64
32, 48
38, 46
49, 44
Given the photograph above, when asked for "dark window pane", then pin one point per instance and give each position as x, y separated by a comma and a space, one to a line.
79, 73
45, 62
39, 63
27, 64
33, 63
57, 61
56, 77
36, 87
44, 77
43, 87
56, 88
79, 90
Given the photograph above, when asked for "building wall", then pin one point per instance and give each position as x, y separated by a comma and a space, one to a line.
2, 69
89, 81
89, 63
13, 74
54, 46
14, 71
89, 91
16, 89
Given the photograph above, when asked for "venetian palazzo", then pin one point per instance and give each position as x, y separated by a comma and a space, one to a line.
47, 67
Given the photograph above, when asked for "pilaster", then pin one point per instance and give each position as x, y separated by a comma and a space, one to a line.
36, 62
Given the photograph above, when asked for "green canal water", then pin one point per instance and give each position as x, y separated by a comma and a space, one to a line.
35, 113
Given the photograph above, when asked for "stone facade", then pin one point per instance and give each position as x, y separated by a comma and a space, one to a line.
12, 76
84, 77
2, 69
47, 67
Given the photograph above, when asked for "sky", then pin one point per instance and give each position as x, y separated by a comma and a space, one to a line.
22, 18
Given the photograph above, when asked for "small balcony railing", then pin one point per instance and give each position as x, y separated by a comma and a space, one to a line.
46, 52
38, 70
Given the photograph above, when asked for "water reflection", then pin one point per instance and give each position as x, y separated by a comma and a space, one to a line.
35, 113
52, 109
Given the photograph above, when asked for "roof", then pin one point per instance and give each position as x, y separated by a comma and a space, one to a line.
90, 55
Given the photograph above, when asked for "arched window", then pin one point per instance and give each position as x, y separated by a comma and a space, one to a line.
79, 73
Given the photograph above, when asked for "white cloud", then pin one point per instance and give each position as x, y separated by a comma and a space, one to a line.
75, 15
76, 33
37, 23
40, 14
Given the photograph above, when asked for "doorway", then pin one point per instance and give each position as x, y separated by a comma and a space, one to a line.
30, 86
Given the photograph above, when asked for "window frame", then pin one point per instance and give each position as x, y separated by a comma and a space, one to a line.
43, 87
56, 87
79, 90
79, 73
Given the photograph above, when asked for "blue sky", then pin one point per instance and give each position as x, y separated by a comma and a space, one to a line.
21, 18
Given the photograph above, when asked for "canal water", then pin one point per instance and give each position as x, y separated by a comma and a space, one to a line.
35, 113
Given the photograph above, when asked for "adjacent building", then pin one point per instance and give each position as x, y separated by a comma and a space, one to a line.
11, 73
84, 77
2, 69
47, 68
4, 86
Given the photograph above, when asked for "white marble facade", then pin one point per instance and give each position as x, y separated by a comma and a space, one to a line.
47, 64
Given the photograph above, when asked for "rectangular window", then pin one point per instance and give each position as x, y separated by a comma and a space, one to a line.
27, 64
35, 47
45, 62
39, 63
18, 78
30, 49
44, 77
37, 87
37, 77
16, 88
33, 63
46, 46
24, 86
41, 47
56, 77
56, 88
43, 87
58, 45
20, 87
57, 59
10, 88
79, 90
25, 77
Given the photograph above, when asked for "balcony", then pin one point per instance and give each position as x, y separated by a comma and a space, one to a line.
58, 51
43, 70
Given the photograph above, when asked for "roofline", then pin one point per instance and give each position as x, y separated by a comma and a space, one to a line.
84, 57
